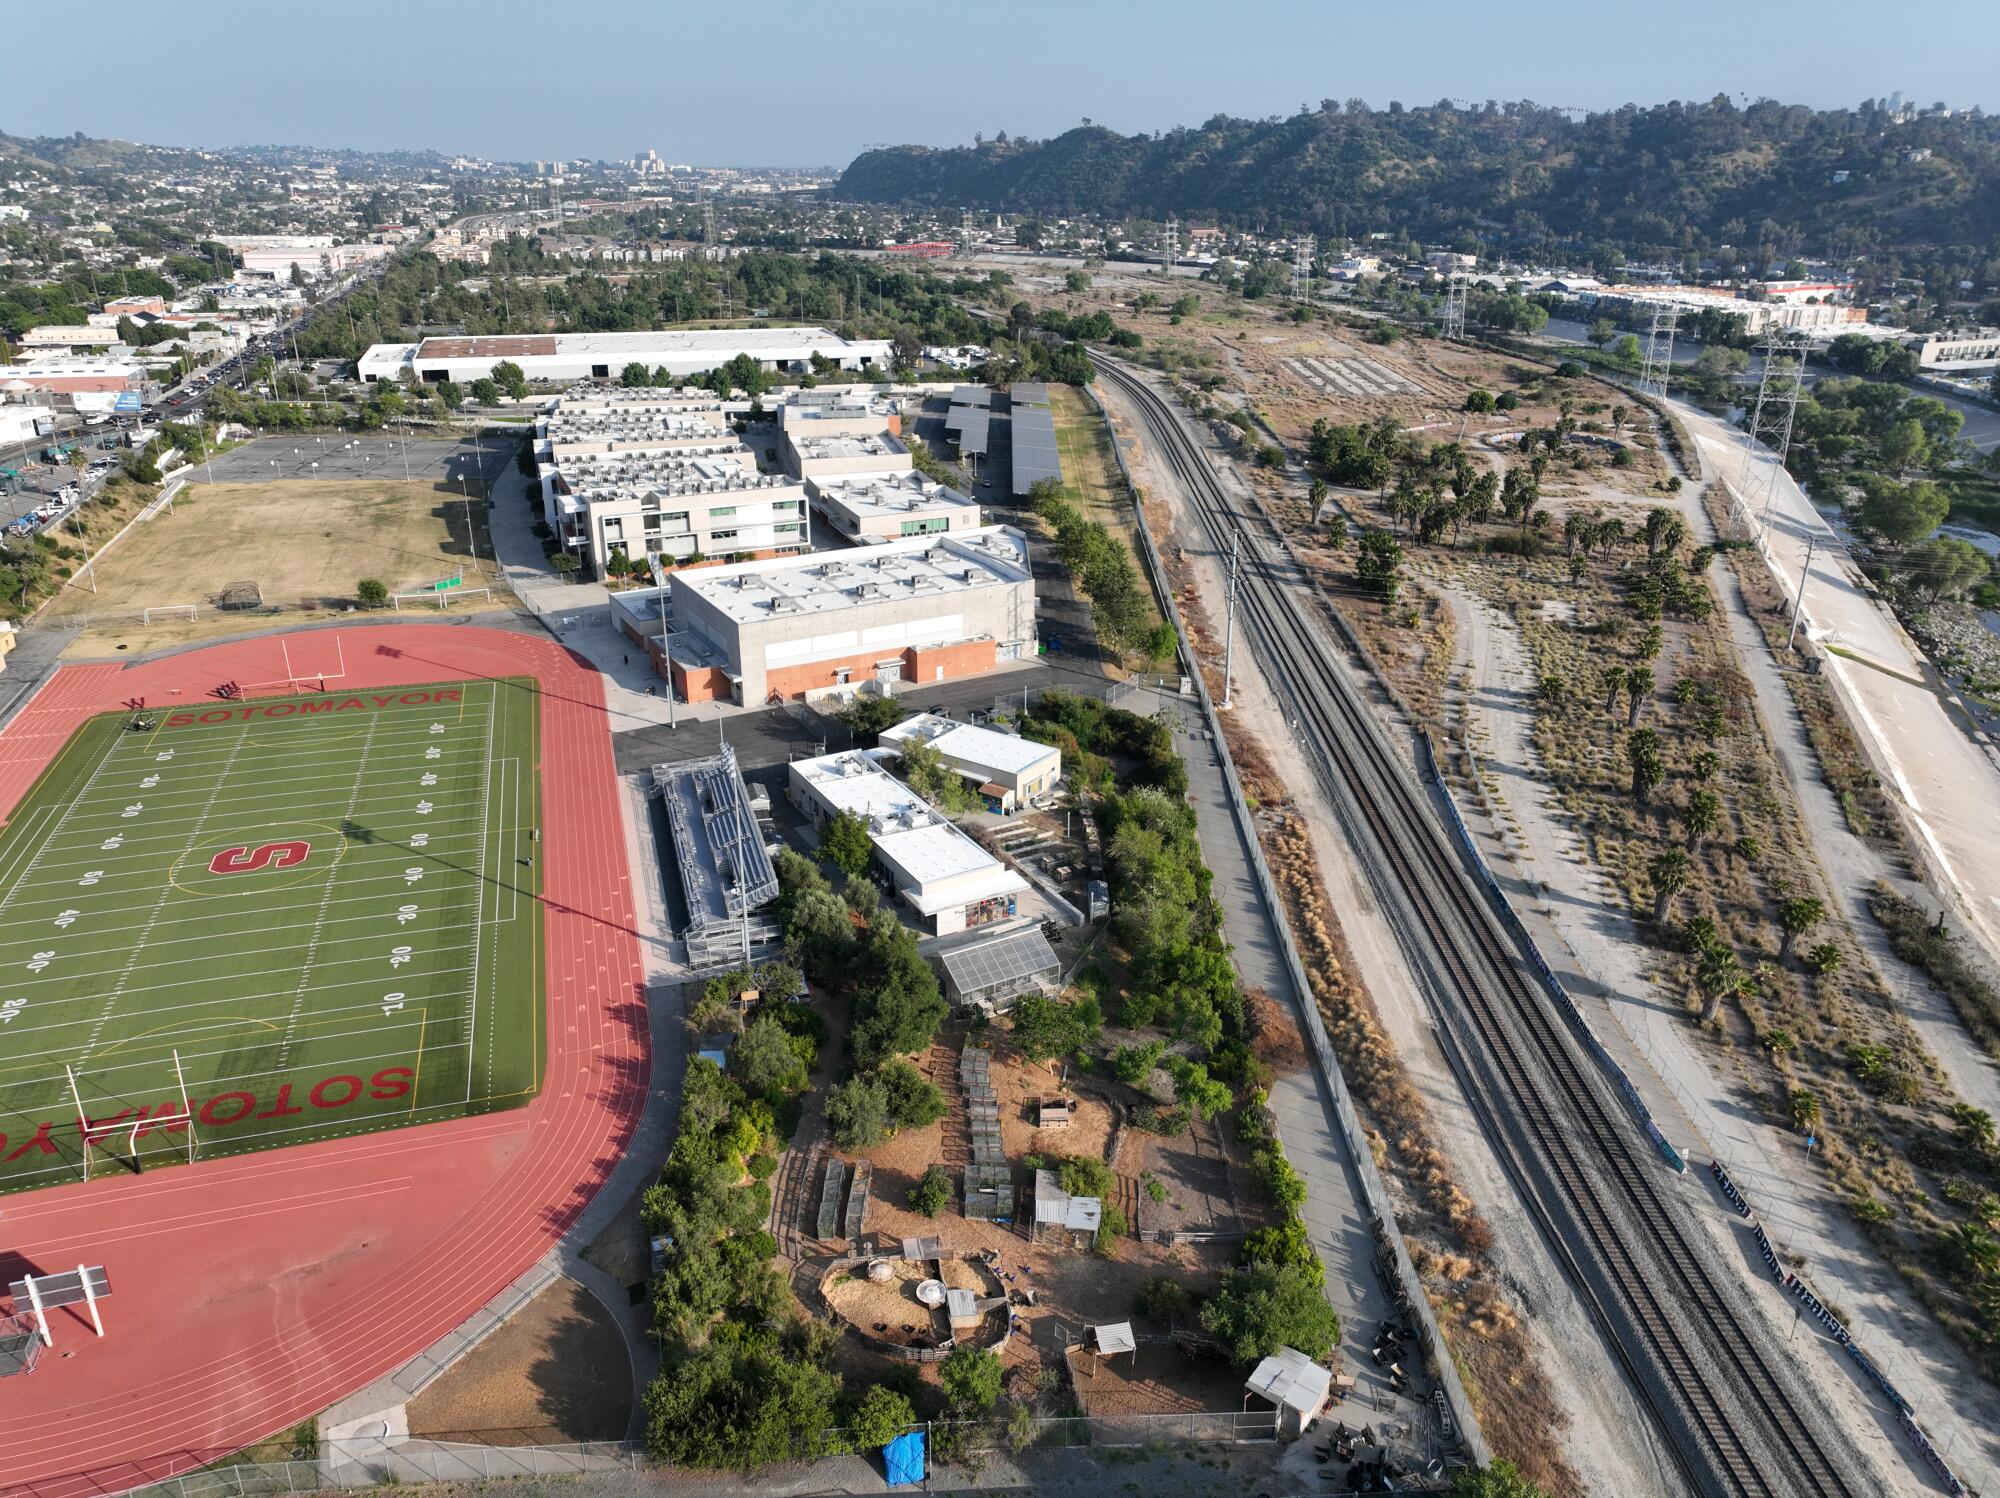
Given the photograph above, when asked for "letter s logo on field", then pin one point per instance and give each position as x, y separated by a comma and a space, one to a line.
264, 855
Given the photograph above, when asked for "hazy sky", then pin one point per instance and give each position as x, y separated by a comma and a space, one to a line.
791, 82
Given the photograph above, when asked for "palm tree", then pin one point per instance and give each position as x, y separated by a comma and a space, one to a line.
1976, 1124
1664, 532
1614, 683
1700, 816
1972, 1247
1717, 975
1642, 749
1638, 682
1796, 917
1671, 872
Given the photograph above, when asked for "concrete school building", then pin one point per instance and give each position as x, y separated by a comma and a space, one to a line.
1004, 768
951, 882
603, 356
924, 609
660, 478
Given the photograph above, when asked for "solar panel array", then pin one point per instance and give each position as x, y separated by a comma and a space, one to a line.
971, 395
968, 426
989, 1183
1001, 965
1035, 456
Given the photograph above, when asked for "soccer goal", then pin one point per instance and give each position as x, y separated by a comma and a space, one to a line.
438, 599
163, 611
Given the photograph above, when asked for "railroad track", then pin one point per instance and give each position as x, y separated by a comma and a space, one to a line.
1601, 1196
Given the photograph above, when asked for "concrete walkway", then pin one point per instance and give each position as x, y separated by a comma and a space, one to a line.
1335, 1217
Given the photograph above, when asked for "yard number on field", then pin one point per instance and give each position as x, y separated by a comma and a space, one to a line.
391, 1002
11, 1008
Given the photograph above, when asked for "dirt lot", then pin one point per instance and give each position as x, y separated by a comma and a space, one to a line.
556, 1373
891, 1309
302, 542
1155, 1380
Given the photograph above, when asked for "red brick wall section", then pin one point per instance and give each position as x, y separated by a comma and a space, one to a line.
702, 684
965, 658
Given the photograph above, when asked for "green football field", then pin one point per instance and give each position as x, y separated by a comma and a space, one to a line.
240, 925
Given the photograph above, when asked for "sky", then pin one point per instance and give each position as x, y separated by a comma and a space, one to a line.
808, 83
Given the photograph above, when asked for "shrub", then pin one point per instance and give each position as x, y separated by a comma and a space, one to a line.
932, 1193
857, 1113
1263, 1307
1167, 1299
970, 1377
371, 592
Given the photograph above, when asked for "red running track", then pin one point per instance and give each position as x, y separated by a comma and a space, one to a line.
253, 1292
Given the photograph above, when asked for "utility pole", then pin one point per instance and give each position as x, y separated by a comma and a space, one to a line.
1454, 307
1229, 627
1659, 357
1798, 603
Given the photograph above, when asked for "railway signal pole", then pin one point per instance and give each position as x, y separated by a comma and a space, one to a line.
1229, 627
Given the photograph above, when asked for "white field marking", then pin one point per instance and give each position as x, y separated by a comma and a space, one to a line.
144, 850
131, 857
139, 945
21, 879
199, 743
250, 805
326, 894
479, 908
25, 843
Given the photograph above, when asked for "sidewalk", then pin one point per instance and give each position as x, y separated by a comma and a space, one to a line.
1335, 1219
1948, 780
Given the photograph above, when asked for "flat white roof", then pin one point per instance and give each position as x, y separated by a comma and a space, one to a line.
980, 748
897, 495
820, 447
828, 583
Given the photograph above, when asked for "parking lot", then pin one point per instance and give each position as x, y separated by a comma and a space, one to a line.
278, 457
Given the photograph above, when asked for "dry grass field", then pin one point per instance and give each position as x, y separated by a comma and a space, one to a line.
304, 543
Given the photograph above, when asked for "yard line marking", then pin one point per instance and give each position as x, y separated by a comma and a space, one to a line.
479, 912
166, 892
56, 831
326, 894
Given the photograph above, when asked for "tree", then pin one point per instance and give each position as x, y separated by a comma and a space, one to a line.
1717, 975
371, 592
932, 1193
1625, 350
1133, 1064
1077, 282
509, 377
1671, 871
1262, 1307
901, 1010
1376, 561
1281, 1243
1796, 917
1972, 1247
1975, 1125
867, 716
1700, 816
1479, 402
857, 1113
564, 563
635, 375
739, 1403
970, 1378
1642, 751
914, 1100
1614, 683
485, 391
1639, 684
1945, 567
1205, 1096
1043, 1028
768, 1060
1664, 532
845, 841
879, 1418
1901, 514
1602, 331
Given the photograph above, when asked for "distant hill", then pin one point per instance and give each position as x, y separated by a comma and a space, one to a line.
1667, 180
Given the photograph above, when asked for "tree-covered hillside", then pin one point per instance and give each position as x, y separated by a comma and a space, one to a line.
1672, 179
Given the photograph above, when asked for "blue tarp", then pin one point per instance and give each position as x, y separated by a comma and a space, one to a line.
904, 1458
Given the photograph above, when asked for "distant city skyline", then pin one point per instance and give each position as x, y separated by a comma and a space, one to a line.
792, 84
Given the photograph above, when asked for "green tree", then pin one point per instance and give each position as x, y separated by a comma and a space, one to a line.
770, 1061
1479, 402
914, 1100
1133, 1064
634, 376
1205, 1096
739, 1403
844, 840
1700, 817
1043, 1028
857, 1113
879, 1418
1281, 1243
509, 377
1376, 564
1670, 871
868, 715
970, 1378
932, 1193
1717, 975
1642, 752
1262, 1307
1077, 282
1602, 331
1901, 514
371, 592
1639, 684
1796, 917
1945, 567
485, 391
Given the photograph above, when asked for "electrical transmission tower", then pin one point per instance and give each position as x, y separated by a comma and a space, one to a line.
1771, 419
1170, 249
708, 221
1659, 360
965, 231
1302, 269
1454, 306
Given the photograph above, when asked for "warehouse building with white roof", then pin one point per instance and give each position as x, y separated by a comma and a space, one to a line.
870, 508
926, 609
603, 356
937, 870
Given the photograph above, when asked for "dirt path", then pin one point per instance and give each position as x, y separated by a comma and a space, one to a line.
1602, 957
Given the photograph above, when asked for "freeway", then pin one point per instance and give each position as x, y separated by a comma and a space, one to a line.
1729, 1403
